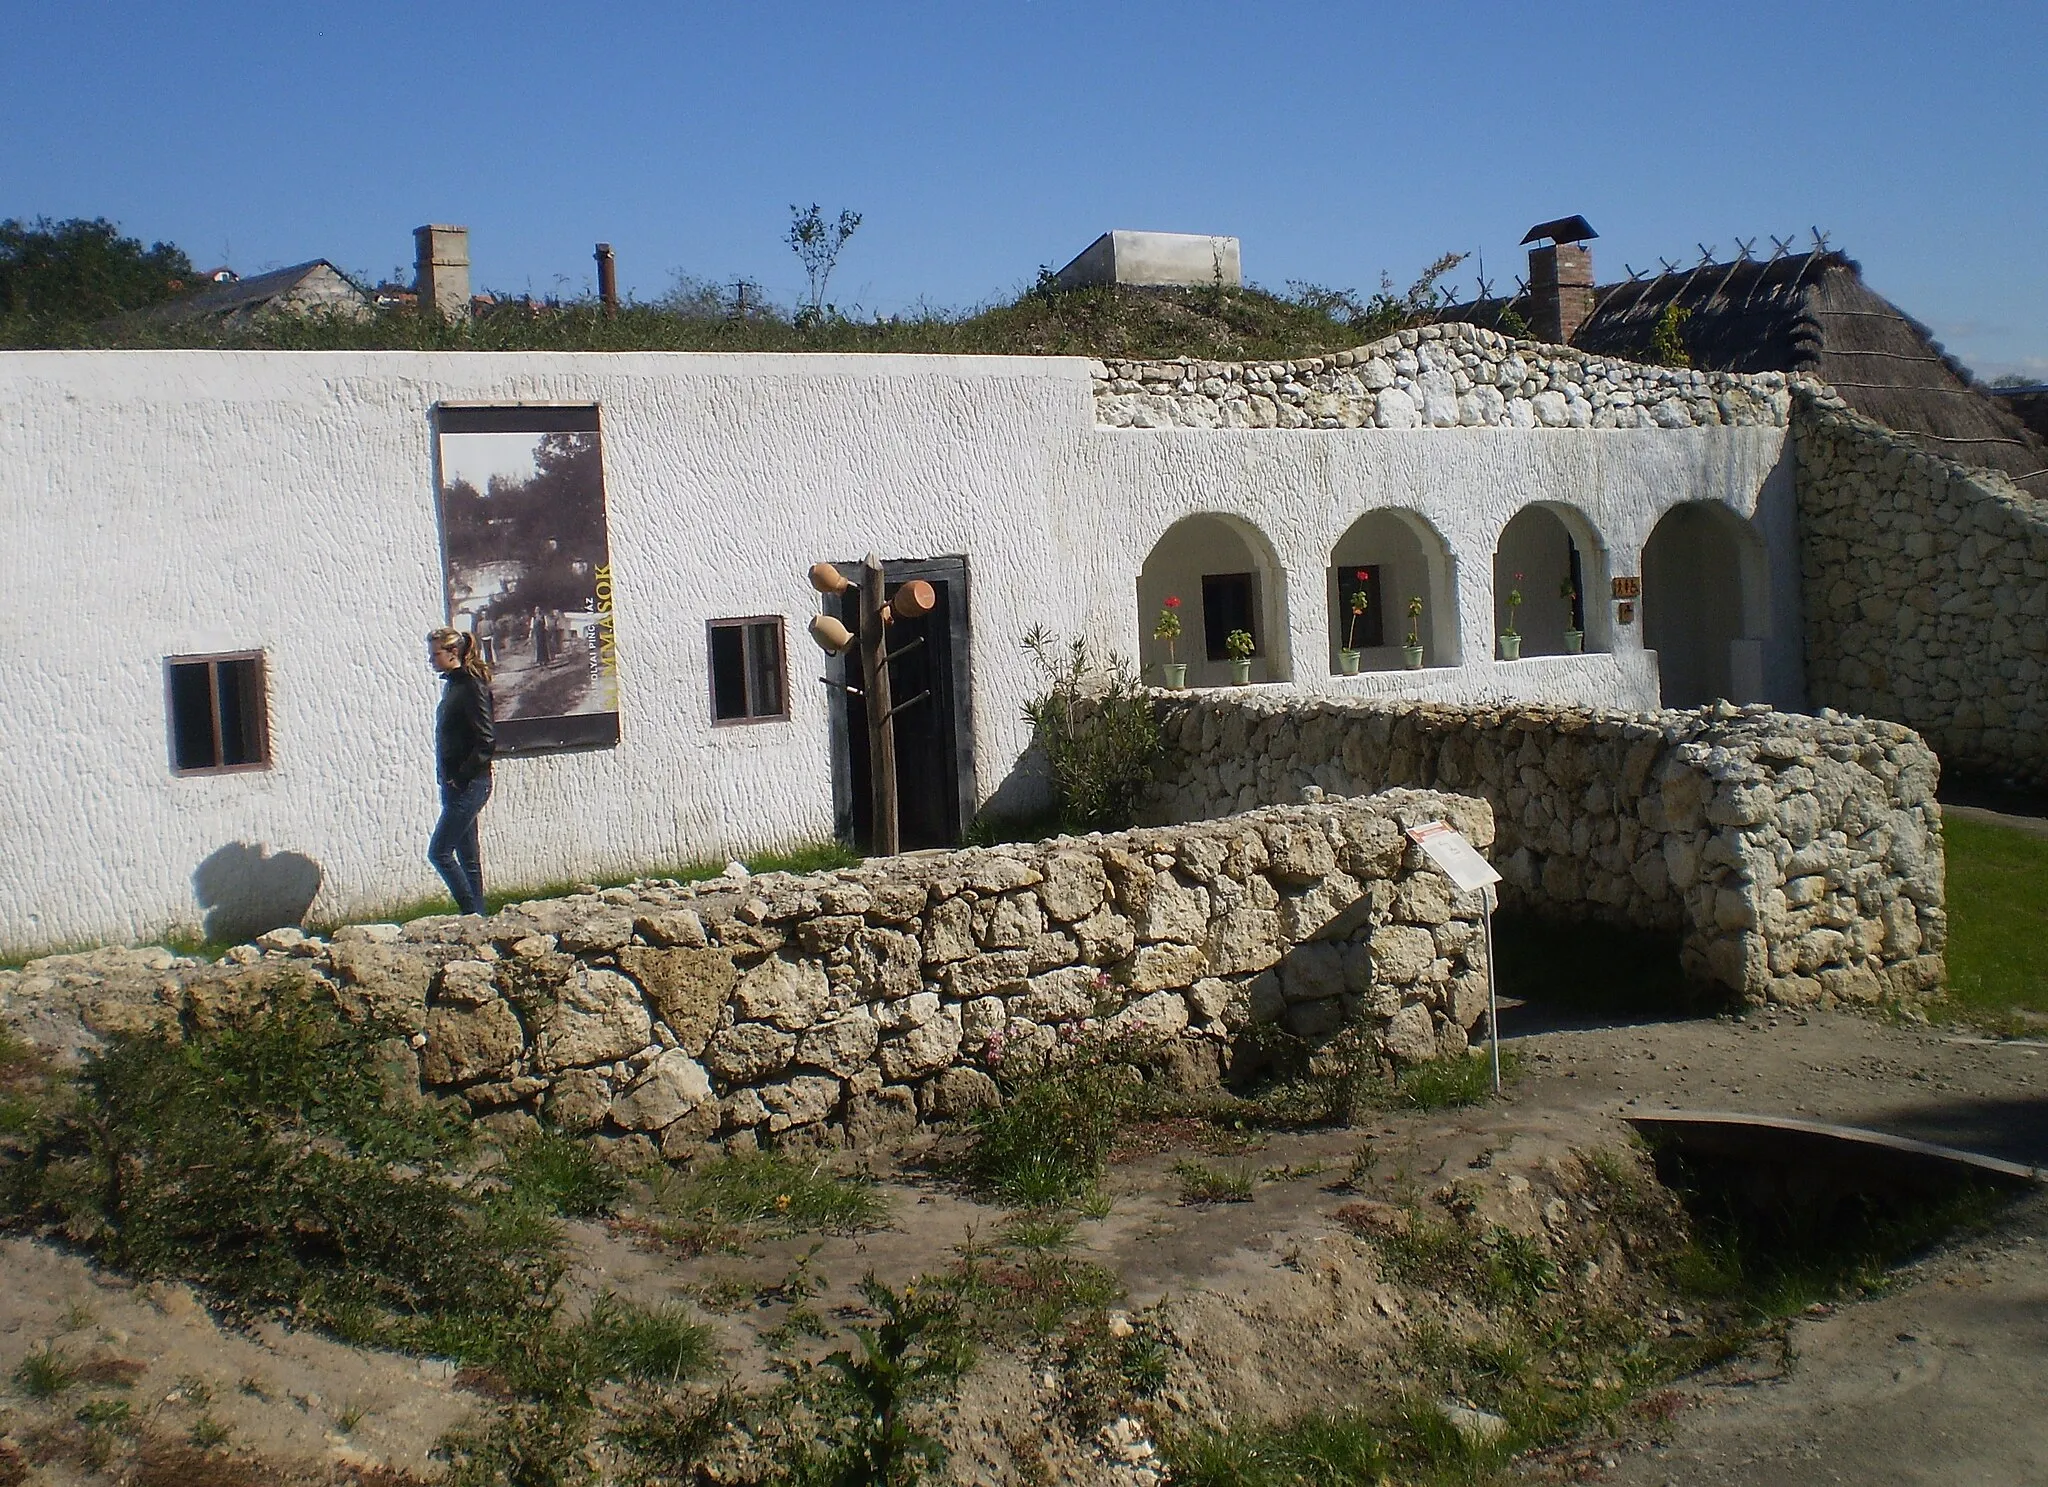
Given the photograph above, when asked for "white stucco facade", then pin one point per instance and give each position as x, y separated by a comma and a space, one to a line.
185, 502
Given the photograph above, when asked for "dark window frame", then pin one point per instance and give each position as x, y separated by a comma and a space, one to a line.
745, 624
257, 700
1214, 635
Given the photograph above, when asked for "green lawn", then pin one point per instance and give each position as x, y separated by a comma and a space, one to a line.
1997, 924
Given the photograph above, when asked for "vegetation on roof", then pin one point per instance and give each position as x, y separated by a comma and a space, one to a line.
1210, 323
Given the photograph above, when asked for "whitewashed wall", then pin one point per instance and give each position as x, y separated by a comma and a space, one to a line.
160, 503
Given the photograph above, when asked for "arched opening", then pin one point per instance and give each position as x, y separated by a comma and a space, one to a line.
1227, 578
1704, 605
1550, 553
1401, 557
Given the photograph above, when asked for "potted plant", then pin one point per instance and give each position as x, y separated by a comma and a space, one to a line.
1238, 645
1347, 655
1510, 637
1574, 639
1167, 628
1411, 653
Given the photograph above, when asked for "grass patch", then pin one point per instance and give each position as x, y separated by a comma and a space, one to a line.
560, 1174
43, 1374
1201, 1183
736, 1201
1346, 1081
1998, 925
1048, 1144
654, 1344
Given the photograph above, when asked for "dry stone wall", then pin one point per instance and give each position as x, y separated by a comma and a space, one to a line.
1926, 591
1438, 376
1799, 858
843, 1007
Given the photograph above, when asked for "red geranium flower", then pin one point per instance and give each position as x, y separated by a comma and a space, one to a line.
1171, 602
1363, 576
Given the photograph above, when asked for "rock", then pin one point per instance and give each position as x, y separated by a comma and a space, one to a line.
599, 1018
1411, 1036
881, 1118
672, 927
1074, 886
1059, 996
673, 1085
955, 1093
1158, 1016
466, 983
1163, 967
841, 1046
922, 1049
598, 933
578, 1101
470, 1043
1401, 953
790, 994
998, 973
689, 987
1477, 1427
379, 980
747, 1051
802, 1101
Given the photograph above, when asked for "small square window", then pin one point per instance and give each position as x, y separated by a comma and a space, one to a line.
219, 713
1228, 603
748, 681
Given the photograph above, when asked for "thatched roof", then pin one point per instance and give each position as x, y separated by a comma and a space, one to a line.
1809, 313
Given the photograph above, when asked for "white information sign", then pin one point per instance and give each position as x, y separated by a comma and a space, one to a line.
1459, 859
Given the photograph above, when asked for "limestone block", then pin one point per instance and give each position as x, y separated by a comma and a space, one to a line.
1298, 854
1401, 953
997, 871
886, 964
1468, 999
1163, 967
1411, 1035
922, 1049
1314, 1020
1316, 908
1059, 996
840, 1046
1313, 972
912, 1011
596, 934
689, 987
1423, 898
578, 1101
828, 932
1010, 921
1209, 1000
672, 927
802, 1101
672, 1086
1105, 936
998, 973
466, 983
470, 1043
599, 1018
1074, 886
949, 931
981, 1018
954, 1094
1243, 939
379, 980
791, 994
880, 1118
1163, 1014
748, 1051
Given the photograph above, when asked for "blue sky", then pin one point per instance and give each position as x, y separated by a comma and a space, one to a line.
982, 140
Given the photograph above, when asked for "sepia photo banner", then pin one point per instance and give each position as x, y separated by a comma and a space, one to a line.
528, 566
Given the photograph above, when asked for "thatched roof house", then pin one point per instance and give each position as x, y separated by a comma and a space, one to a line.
1809, 313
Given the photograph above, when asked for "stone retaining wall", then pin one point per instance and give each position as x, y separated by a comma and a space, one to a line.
844, 1006
1926, 591
1438, 376
1799, 858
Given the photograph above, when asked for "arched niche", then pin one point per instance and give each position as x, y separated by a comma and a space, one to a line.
1547, 543
1705, 605
1405, 557
1226, 576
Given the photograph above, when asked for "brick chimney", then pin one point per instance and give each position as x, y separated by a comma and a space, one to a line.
441, 265
1561, 289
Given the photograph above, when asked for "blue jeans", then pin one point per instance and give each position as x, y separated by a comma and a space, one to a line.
453, 850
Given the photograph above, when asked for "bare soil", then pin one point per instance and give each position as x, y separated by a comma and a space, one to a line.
1270, 1306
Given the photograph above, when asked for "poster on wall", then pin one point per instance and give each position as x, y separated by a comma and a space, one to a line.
528, 568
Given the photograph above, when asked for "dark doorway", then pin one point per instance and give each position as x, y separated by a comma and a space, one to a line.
934, 738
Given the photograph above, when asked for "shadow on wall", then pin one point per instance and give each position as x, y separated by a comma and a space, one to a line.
245, 889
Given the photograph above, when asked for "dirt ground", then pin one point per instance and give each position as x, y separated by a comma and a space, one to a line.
1275, 1306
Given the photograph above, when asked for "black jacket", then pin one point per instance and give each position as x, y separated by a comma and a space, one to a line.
465, 735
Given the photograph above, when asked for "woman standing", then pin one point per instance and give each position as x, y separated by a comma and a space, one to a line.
465, 735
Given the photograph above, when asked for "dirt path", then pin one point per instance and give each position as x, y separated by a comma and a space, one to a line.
1279, 1304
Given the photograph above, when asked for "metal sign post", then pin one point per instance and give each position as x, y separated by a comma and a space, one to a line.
1460, 861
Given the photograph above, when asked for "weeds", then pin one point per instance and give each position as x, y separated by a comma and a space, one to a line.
1201, 1183
1049, 1142
656, 1345
560, 1174
1315, 1450
736, 1201
43, 1374
207, 1433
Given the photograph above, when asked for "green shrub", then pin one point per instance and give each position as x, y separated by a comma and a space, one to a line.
1049, 1142
43, 1374
655, 1344
1096, 727
737, 1200
1201, 1183
561, 1175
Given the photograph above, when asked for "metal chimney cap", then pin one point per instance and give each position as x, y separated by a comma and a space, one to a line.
1563, 230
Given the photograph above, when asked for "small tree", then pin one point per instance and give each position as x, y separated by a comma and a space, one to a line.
1667, 340
816, 244
1095, 724
83, 270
